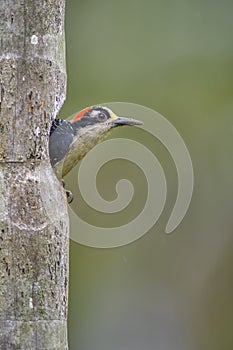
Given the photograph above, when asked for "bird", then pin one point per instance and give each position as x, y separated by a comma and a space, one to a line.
71, 140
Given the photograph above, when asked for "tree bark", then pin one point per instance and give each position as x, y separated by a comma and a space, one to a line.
33, 211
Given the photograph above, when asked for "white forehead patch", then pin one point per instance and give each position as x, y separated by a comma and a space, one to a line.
95, 113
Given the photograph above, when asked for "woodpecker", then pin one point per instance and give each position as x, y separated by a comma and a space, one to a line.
70, 141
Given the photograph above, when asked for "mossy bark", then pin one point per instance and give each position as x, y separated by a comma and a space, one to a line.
33, 211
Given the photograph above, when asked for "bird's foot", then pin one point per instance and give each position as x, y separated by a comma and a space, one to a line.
69, 194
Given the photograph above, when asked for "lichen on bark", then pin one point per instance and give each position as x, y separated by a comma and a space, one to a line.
33, 213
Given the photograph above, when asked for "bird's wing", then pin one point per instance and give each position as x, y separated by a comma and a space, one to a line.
60, 139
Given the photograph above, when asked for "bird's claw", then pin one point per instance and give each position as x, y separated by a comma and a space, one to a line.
69, 194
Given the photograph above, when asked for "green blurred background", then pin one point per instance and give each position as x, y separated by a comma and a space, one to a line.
162, 292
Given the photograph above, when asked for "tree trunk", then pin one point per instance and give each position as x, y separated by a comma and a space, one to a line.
33, 213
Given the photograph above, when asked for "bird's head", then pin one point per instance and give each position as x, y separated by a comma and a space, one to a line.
96, 121
71, 141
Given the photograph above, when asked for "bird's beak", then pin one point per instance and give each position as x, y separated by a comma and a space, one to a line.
119, 121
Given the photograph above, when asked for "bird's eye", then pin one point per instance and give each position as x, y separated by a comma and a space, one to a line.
102, 117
